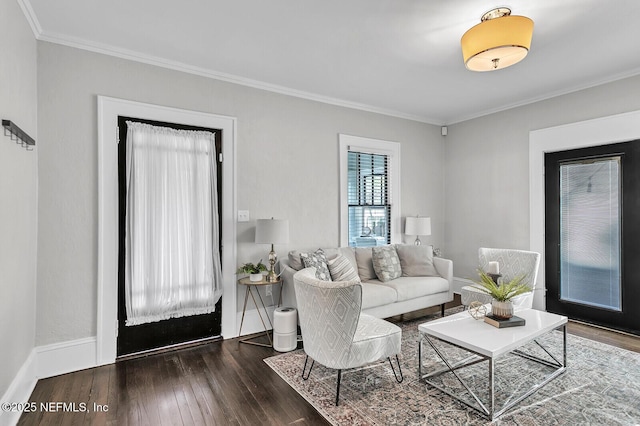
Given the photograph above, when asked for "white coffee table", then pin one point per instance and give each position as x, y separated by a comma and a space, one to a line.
486, 343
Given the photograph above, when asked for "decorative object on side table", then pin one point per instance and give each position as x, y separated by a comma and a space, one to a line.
502, 293
272, 231
254, 271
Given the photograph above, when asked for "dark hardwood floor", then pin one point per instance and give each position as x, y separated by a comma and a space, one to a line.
224, 383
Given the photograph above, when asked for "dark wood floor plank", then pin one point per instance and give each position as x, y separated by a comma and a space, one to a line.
209, 403
227, 372
187, 404
219, 383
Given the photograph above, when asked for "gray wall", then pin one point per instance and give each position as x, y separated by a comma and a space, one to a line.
487, 168
287, 167
18, 194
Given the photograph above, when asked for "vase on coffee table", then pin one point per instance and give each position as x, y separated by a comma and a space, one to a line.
502, 309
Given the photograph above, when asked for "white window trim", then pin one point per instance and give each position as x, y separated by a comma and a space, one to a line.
371, 146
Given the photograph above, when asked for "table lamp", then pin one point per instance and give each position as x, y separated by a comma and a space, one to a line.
272, 231
416, 225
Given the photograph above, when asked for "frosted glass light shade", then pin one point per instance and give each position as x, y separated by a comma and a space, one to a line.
272, 231
497, 43
416, 225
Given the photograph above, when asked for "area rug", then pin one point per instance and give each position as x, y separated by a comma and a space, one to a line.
601, 386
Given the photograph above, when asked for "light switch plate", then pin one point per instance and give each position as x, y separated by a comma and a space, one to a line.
243, 215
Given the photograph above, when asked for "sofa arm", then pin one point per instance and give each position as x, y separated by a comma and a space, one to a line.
444, 267
288, 289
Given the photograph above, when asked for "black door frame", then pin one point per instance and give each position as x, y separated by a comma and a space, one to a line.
164, 333
628, 319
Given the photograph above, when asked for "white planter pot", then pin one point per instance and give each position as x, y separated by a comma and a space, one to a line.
502, 309
255, 277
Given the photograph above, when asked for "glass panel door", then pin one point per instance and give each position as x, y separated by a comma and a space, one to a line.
592, 234
590, 198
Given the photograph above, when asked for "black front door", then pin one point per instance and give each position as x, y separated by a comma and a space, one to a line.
592, 232
139, 338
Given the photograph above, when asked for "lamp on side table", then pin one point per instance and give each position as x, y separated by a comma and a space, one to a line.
416, 225
272, 231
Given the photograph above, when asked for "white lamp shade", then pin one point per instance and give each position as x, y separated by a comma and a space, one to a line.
272, 231
416, 225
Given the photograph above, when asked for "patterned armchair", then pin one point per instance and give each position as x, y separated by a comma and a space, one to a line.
512, 263
335, 332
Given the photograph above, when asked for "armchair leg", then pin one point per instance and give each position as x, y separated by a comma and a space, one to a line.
305, 368
394, 370
338, 388
442, 309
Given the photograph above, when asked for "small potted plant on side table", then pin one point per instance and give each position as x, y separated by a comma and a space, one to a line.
502, 293
254, 271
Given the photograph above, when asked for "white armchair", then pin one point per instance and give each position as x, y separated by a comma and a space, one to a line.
512, 263
334, 330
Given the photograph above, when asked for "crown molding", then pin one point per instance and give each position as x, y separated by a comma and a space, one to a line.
32, 19
203, 72
544, 97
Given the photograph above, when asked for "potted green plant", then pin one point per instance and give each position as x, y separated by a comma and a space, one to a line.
502, 292
254, 271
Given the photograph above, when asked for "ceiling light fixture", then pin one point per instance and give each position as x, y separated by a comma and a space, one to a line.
498, 41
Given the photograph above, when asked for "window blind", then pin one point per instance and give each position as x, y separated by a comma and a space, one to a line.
369, 199
590, 223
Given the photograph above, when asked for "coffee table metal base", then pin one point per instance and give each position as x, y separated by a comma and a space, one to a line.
487, 408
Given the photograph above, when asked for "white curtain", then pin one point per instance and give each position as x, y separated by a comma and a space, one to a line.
172, 263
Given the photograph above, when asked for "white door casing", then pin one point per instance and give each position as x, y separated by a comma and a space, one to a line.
108, 111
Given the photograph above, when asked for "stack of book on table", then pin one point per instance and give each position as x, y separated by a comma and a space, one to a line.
514, 321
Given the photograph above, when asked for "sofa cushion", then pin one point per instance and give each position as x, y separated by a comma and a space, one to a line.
364, 260
341, 269
386, 263
317, 260
416, 261
377, 295
295, 262
413, 287
350, 254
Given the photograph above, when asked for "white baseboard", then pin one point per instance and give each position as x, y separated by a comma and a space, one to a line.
47, 361
74, 355
20, 389
252, 323
65, 357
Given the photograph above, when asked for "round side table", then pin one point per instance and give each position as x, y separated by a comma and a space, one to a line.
252, 287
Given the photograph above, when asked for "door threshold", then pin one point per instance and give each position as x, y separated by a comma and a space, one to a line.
169, 348
602, 327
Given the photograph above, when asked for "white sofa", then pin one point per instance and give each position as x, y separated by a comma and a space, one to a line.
383, 299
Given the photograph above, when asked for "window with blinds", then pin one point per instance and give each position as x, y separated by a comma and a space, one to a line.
369, 199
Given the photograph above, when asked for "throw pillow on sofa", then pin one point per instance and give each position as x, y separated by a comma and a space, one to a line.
341, 269
317, 260
416, 261
386, 263
364, 262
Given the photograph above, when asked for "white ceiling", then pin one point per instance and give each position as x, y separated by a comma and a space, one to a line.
399, 57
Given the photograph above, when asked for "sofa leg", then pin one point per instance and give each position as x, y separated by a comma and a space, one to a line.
442, 309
